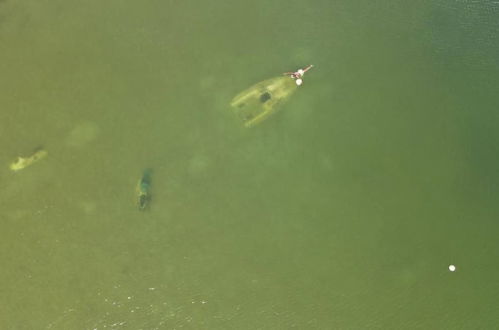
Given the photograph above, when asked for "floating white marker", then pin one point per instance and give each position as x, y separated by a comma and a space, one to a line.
452, 268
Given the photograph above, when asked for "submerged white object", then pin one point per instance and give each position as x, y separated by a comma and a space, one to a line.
452, 268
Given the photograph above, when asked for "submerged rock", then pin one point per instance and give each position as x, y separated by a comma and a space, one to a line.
82, 134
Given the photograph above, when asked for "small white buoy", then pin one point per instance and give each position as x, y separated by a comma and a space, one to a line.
299, 81
452, 268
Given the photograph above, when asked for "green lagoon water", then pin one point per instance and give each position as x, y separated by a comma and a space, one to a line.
342, 211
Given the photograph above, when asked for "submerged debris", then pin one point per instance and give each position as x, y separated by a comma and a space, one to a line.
143, 190
23, 162
258, 102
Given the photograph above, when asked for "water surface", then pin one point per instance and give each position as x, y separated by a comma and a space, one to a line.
342, 211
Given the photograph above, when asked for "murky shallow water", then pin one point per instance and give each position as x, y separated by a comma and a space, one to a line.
343, 211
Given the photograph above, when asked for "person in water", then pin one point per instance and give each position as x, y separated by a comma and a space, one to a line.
297, 75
